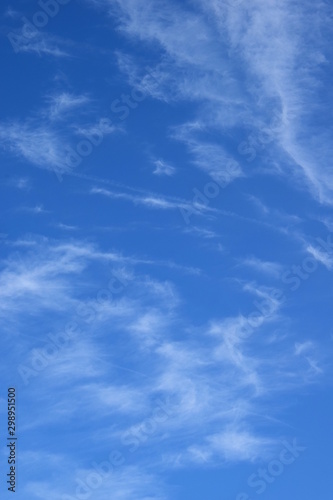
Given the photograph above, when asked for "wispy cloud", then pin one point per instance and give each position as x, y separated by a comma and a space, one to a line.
202, 232
163, 168
96, 131
129, 481
270, 268
154, 201
206, 70
60, 105
22, 183
322, 257
66, 227
37, 209
46, 138
212, 376
37, 42
144, 313
210, 157
234, 445
39, 145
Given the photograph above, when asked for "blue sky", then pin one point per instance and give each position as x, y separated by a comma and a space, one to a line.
167, 248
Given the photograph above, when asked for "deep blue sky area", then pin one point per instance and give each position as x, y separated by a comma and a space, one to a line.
166, 249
